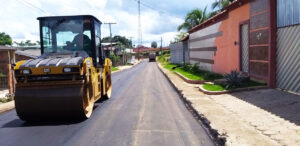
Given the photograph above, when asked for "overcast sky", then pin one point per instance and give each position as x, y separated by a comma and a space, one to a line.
18, 17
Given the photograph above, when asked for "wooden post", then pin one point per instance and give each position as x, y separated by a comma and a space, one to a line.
10, 81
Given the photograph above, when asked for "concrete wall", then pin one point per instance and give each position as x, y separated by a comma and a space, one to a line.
176, 50
216, 47
3, 62
202, 46
227, 56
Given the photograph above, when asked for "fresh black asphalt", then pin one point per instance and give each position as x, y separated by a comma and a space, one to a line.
144, 110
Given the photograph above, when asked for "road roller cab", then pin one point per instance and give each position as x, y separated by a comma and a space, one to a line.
70, 75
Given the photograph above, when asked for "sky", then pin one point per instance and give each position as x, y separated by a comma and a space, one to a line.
159, 18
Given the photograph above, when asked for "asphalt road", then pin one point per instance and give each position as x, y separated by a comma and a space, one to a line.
144, 110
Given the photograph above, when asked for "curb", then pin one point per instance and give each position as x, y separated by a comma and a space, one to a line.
230, 91
189, 80
218, 139
4, 107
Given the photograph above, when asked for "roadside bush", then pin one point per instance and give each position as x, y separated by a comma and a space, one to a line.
114, 59
2, 75
187, 67
8, 98
233, 80
195, 68
164, 58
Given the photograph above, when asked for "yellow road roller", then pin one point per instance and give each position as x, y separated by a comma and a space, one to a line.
71, 74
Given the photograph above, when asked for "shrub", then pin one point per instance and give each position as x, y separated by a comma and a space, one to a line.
114, 58
187, 67
195, 68
2, 75
233, 80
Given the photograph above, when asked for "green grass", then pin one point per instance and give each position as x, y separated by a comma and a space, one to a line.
169, 66
252, 84
189, 75
114, 68
2, 75
192, 75
213, 87
8, 98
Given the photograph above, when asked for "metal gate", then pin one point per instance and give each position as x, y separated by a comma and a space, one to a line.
288, 58
244, 48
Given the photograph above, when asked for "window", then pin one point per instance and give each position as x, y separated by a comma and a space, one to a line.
63, 35
98, 42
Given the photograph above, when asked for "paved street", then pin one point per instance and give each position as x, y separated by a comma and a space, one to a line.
144, 110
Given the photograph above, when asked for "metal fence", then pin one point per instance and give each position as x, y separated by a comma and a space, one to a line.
288, 12
288, 58
4, 82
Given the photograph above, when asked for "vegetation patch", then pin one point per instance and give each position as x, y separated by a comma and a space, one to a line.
217, 87
114, 68
213, 87
192, 72
6, 99
2, 75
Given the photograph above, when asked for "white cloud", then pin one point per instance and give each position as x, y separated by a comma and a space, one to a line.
19, 18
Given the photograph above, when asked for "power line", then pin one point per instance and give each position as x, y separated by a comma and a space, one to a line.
33, 6
140, 28
151, 7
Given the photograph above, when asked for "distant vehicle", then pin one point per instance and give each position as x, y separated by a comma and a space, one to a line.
152, 57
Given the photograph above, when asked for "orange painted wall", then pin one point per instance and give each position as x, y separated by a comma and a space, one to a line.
227, 56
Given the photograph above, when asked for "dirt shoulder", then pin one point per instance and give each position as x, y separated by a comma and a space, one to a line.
125, 67
241, 121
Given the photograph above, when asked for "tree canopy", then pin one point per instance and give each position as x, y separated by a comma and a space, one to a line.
193, 18
5, 39
27, 43
221, 3
119, 39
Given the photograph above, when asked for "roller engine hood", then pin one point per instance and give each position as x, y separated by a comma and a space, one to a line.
56, 59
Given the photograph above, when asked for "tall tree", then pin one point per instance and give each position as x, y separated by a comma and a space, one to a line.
221, 4
121, 39
192, 19
154, 44
179, 37
5, 39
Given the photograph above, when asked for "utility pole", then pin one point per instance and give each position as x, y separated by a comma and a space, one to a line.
160, 45
140, 28
131, 49
110, 23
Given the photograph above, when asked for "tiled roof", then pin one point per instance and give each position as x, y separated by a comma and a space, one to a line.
145, 49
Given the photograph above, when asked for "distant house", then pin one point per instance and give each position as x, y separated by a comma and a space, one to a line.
27, 54
109, 48
142, 49
257, 37
7, 58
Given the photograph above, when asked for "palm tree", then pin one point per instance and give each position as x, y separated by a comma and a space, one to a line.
221, 3
193, 18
